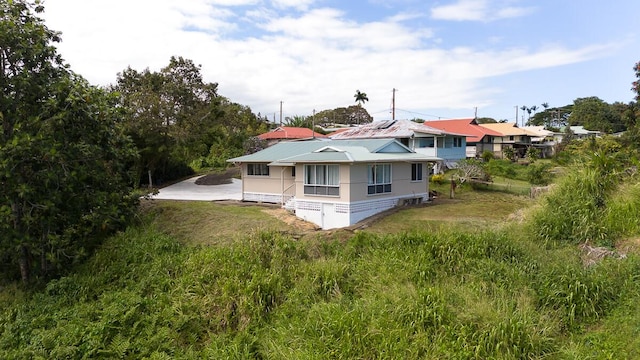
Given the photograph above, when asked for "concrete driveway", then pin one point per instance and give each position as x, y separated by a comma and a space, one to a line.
188, 190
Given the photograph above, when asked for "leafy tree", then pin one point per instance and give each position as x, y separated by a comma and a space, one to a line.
361, 97
595, 114
487, 155
552, 118
509, 153
486, 120
350, 115
175, 118
299, 121
629, 113
539, 174
636, 84
524, 108
533, 154
62, 154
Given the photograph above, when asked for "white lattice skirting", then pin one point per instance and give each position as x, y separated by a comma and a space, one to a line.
330, 215
267, 198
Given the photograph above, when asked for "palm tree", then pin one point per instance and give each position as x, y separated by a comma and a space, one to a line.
545, 105
360, 97
523, 108
532, 109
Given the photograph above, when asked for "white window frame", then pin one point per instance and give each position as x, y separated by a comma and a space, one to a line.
379, 178
322, 179
257, 169
417, 172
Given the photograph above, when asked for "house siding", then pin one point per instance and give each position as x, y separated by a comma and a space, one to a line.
275, 188
356, 205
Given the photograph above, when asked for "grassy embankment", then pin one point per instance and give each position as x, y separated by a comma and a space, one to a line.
460, 279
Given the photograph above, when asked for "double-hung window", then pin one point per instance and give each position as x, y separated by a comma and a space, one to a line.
416, 172
322, 180
378, 179
258, 169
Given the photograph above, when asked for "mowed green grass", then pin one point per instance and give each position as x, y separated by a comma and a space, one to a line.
211, 223
469, 210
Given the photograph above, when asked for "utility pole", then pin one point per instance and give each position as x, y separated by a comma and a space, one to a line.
516, 115
393, 105
313, 125
280, 113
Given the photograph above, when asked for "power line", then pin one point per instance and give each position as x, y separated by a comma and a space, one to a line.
429, 115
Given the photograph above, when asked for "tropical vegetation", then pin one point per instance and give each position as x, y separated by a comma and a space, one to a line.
91, 270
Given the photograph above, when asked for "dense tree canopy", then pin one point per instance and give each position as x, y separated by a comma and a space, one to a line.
552, 118
636, 83
595, 114
486, 120
353, 114
62, 156
176, 118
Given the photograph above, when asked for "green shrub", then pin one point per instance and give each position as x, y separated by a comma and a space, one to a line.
575, 209
623, 211
539, 174
533, 154
502, 168
487, 155
508, 153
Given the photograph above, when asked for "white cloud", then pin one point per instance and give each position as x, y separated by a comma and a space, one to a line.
478, 10
296, 4
315, 60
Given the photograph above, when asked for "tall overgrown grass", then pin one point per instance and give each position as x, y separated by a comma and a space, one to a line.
595, 202
443, 294
438, 293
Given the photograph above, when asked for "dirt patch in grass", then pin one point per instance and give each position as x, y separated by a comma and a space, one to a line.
627, 246
298, 225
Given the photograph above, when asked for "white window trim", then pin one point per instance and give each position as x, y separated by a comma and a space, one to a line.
375, 184
327, 179
421, 173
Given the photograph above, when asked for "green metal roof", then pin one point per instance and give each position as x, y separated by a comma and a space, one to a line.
340, 151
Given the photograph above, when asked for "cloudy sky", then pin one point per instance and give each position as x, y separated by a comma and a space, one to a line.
446, 58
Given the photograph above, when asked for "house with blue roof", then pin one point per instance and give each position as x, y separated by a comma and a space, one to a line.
336, 183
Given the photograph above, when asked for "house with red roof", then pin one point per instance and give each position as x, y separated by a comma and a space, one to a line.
287, 133
478, 140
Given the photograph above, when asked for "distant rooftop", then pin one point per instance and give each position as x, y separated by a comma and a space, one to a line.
387, 129
289, 132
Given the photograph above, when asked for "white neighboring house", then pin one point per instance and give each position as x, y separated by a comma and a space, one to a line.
336, 183
543, 139
421, 138
579, 132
